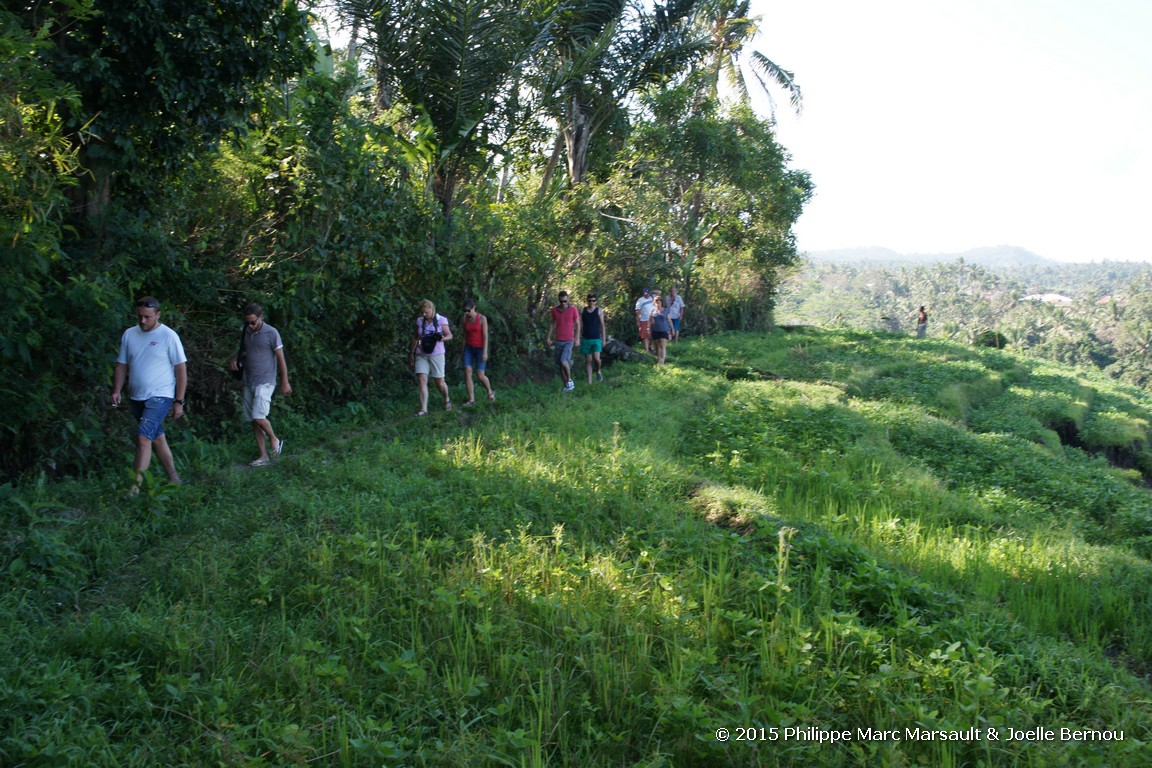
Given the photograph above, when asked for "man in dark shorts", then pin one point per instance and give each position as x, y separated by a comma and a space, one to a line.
643, 314
593, 336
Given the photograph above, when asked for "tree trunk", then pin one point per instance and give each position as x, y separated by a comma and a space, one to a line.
577, 136
550, 170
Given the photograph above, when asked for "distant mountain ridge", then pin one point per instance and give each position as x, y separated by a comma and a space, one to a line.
992, 256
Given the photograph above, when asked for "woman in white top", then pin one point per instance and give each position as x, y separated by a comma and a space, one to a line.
427, 355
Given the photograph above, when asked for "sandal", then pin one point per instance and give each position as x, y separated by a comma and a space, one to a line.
259, 463
492, 396
470, 402
420, 413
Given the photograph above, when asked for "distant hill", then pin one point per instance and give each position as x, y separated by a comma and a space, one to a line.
992, 256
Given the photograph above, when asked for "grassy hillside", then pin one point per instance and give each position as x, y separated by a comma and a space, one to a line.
807, 539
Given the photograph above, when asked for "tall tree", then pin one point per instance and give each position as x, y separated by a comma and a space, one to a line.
455, 66
604, 53
713, 189
157, 77
730, 30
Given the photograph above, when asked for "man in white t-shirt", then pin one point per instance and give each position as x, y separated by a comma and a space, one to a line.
153, 363
644, 306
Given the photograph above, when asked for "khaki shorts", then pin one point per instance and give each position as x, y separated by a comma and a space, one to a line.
430, 365
258, 401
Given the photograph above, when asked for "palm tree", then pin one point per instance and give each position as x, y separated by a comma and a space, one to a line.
730, 29
455, 65
602, 53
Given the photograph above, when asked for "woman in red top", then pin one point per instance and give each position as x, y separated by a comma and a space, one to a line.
475, 349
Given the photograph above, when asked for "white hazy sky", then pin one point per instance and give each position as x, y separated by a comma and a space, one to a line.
934, 126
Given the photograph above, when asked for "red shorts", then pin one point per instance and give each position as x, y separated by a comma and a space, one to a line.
643, 326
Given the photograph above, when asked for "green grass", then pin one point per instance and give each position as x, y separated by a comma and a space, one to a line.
812, 531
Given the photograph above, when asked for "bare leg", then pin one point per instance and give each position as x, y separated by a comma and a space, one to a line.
262, 430
164, 456
483, 380
422, 388
443, 387
588, 367
143, 460
468, 383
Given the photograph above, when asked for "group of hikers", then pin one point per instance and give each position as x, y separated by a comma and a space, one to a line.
657, 325
152, 365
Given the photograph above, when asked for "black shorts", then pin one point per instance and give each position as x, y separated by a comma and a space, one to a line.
660, 334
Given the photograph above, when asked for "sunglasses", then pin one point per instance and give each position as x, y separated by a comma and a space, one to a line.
148, 304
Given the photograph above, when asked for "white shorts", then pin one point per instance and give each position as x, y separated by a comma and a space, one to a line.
430, 365
258, 401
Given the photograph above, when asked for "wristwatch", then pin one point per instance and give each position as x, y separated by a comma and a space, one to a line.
180, 401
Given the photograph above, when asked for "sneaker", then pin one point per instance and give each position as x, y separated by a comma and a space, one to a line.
569, 386
599, 376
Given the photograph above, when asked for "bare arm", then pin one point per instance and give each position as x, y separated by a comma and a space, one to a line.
285, 387
118, 379
181, 370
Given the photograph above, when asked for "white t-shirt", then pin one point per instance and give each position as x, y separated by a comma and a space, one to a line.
676, 308
150, 357
644, 306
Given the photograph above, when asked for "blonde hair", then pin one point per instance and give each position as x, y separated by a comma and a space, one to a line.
426, 304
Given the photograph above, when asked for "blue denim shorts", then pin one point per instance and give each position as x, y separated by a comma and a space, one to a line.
150, 415
563, 352
474, 358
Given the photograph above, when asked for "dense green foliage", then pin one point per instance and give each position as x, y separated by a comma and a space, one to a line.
210, 154
810, 530
1081, 314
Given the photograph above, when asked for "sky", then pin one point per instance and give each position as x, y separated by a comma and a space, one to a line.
934, 126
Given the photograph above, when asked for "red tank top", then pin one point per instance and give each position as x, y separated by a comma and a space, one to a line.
473, 332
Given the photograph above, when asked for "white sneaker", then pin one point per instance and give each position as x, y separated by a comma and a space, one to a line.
569, 386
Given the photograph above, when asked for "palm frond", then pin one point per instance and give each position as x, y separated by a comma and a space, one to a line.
765, 68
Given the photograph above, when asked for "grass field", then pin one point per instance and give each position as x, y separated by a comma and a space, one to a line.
841, 549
